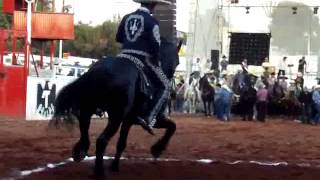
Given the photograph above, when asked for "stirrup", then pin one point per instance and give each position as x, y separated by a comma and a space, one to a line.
145, 126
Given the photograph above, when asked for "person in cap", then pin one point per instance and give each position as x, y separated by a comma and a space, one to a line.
262, 103
139, 34
299, 81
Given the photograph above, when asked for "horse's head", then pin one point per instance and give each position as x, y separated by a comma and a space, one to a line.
169, 57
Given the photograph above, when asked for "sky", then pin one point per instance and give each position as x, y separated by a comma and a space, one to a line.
97, 11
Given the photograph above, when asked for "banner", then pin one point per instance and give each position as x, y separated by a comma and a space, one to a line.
41, 95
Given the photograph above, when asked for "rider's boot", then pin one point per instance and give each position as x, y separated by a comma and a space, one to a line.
145, 125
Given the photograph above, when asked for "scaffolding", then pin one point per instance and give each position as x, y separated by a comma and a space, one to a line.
191, 36
204, 32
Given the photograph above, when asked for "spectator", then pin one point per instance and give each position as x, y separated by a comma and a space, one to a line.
224, 63
208, 65
223, 103
180, 96
282, 67
299, 81
283, 83
266, 65
247, 101
196, 68
244, 66
260, 82
316, 100
305, 98
272, 79
262, 99
302, 65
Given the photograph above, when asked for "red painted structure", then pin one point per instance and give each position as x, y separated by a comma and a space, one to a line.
9, 6
13, 82
51, 26
13, 87
13, 78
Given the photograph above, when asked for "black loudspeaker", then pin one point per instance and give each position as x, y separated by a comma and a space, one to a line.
214, 59
251, 46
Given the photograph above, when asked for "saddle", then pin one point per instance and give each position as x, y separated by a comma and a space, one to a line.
144, 83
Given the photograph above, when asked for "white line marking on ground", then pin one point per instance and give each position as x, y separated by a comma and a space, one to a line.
203, 161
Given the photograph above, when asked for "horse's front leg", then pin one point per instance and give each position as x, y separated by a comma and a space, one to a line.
122, 143
205, 107
161, 144
81, 148
209, 108
194, 104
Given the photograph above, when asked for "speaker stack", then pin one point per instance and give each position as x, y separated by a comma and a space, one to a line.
214, 59
251, 46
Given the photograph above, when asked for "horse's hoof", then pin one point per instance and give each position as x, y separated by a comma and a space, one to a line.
156, 152
79, 156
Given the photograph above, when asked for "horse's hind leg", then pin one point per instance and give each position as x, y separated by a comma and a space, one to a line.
102, 142
81, 148
122, 143
209, 108
205, 107
160, 146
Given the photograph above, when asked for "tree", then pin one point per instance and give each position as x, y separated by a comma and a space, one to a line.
5, 20
290, 31
94, 41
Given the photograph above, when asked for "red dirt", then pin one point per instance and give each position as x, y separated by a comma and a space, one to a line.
26, 145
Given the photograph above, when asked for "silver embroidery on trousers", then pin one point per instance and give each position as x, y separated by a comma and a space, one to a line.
165, 95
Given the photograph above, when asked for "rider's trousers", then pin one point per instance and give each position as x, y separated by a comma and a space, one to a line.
161, 91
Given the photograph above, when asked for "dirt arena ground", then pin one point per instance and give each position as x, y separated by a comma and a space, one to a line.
29, 145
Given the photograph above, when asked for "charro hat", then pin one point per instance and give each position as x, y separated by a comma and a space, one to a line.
153, 1
253, 73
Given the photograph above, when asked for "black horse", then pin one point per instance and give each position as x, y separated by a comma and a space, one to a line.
207, 94
113, 85
243, 86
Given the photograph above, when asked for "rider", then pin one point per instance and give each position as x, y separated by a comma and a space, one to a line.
139, 35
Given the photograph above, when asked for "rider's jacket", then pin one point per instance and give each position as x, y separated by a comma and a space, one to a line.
139, 35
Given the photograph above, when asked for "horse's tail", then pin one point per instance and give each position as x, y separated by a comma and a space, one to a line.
66, 102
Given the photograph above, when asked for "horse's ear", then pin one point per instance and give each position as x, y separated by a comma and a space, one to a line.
179, 46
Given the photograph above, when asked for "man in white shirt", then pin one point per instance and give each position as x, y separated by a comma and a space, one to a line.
196, 67
282, 67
